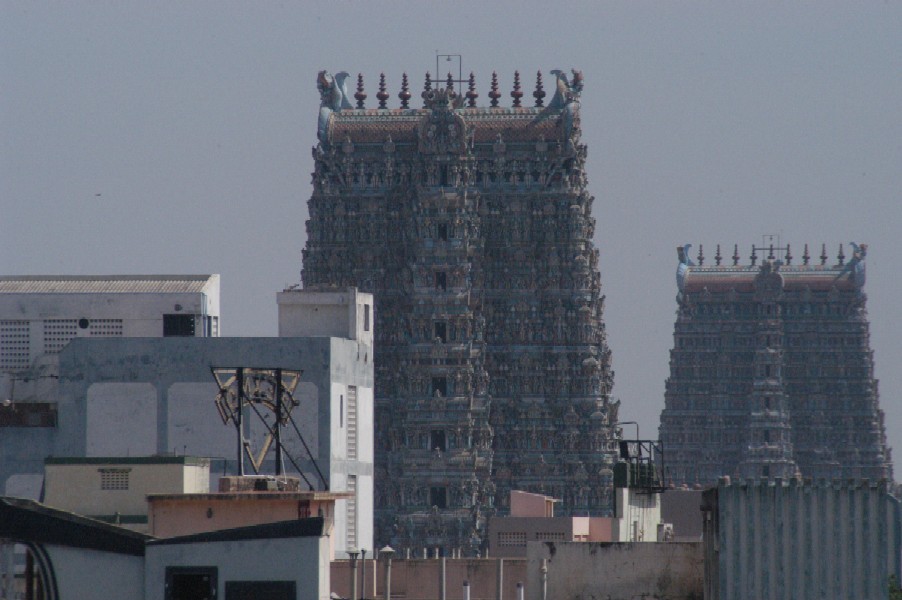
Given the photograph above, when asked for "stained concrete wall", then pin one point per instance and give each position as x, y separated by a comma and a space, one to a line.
81, 573
801, 539
419, 579
303, 560
616, 571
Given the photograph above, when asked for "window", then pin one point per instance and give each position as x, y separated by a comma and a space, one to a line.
351, 508
351, 431
198, 583
512, 538
252, 590
114, 479
443, 231
366, 317
441, 280
178, 325
441, 331
439, 386
438, 497
437, 440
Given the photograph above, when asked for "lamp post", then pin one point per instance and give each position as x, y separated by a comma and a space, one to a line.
387, 551
363, 567
353, 553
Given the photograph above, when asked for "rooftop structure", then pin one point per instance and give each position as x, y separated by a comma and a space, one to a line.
472, 227
115, 489
772, 372
40, 315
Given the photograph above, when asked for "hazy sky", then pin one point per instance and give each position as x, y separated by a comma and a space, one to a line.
173, 137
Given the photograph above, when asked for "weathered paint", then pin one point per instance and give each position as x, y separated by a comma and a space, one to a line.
616, 571
777, 539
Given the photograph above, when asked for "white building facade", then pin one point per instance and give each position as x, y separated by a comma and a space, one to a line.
40, 315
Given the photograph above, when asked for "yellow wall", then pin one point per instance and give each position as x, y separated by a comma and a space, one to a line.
77, 487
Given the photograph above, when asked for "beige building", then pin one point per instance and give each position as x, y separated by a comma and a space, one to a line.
116, 489
532, 520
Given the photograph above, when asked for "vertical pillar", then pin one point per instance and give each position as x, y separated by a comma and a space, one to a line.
519, 590
363, 569
387, 552
353, 554
278, 423
500, 594
466, 590
544, 579
239, 418
443, 573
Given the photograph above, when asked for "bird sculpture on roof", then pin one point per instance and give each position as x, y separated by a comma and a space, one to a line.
333, 97
683, 266
855, 269
565, 101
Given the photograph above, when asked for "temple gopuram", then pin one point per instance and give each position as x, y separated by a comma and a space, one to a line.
772, 373
472, 227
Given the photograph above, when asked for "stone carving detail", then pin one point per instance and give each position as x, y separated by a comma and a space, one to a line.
770, 362
442, 130
473, 229
333, 96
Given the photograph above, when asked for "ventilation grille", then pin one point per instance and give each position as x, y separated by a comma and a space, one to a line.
14, 345
58, 333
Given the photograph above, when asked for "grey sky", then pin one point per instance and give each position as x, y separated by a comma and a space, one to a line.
175, 137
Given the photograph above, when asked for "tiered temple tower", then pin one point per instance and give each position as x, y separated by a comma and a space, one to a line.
472, 227
772, 374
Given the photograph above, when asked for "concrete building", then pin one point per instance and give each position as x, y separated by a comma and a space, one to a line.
67, 555
831, 539
277, 561
179, 514
637, 515
70, 556
772, 373
472, 227
141, 397
39, 315
532, 520
115, 490
637, 518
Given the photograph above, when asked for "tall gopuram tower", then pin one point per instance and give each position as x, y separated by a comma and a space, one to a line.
472, 226
772, 373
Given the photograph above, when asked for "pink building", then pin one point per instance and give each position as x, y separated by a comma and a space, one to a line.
237, 505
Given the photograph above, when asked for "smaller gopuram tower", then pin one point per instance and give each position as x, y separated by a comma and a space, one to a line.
771, 374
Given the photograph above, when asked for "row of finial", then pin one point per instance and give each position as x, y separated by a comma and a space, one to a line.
787, 258
517, 94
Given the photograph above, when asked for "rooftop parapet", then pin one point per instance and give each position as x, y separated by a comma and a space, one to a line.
345, 123
813, 272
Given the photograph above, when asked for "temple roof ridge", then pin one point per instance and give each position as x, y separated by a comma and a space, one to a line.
815, 271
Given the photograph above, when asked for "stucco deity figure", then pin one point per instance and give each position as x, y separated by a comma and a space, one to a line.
333, 97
